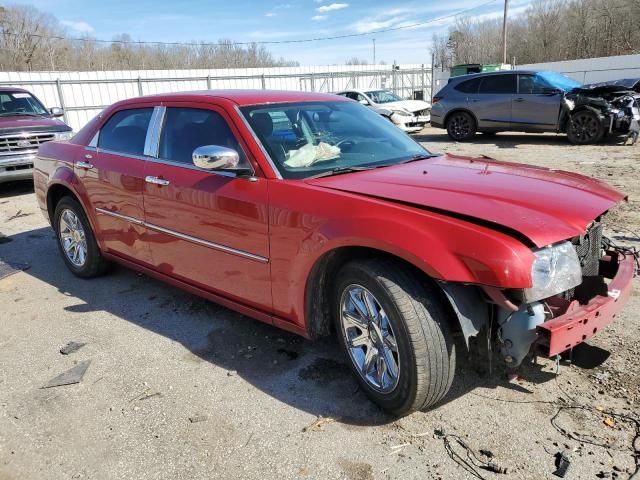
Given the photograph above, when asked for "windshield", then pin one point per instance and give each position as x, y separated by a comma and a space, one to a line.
383, 96
20, 103
557, 80
309, 138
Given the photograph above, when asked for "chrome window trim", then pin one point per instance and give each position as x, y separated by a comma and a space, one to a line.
182, 236
259, 143
152, 140
121, 154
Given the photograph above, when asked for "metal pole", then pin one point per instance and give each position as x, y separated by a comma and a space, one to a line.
504, 32
374, 51
61, 98
263, 82
208, 82
433, 71
140, 86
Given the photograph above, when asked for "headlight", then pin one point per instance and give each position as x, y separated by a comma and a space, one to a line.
63, 135
555, 269
403, 113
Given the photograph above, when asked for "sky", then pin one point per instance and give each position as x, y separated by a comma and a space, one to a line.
262, 20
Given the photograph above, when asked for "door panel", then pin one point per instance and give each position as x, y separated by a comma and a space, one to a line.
114, 184
532, 109
492, 104
205, 228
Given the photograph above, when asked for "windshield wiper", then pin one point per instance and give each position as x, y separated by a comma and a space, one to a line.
8, 114
419, 156
339, 171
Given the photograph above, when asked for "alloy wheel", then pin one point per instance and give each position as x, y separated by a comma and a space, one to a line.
370, 339
585, 127
460, 126
73, 238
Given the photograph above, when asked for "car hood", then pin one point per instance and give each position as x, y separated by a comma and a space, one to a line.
409, 105
625, 84
543, 205
19, 123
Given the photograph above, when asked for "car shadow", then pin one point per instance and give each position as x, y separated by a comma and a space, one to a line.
507, 139
310, 376
18, 187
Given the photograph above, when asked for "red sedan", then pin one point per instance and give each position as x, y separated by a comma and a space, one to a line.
314, 214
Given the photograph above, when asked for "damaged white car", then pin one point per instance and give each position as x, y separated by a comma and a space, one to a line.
410, 116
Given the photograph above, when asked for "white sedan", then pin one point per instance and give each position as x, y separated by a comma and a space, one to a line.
408, 115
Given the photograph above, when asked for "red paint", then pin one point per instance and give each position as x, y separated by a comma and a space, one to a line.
457, 219
580, 324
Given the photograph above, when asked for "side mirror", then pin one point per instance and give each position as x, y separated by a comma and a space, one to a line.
56, 111
219, 159
551, 91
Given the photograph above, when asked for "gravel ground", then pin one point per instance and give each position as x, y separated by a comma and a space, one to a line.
180, 388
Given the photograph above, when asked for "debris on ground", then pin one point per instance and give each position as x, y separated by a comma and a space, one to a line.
472, 462
71, 347
18, 214
609, 422
198, 418
318, 424
71, 376
562, 464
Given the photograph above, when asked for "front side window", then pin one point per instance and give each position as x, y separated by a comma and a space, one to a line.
498, 84
186, 129
126, 131
531, 84
308, 138
20, 103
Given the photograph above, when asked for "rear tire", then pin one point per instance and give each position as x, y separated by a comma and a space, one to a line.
76, 241
461, 126
405, 330
585, 127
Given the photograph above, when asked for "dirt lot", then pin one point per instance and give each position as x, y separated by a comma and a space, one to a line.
180, 388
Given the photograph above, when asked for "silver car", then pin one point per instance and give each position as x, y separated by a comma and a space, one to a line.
517, 100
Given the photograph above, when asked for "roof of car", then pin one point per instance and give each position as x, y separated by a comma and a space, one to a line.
13, 89
497, 72
244, 97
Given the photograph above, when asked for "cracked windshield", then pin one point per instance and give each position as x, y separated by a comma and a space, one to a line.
317, 139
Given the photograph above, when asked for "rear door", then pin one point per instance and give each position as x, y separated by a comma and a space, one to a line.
207, 229
492, 104
111, 169
535, 107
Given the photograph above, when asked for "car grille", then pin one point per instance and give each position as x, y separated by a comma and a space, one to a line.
589, 249
23, 143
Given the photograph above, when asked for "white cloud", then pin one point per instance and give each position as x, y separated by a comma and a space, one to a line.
331, 7
269, 14
318, 18
370, 25
80, 26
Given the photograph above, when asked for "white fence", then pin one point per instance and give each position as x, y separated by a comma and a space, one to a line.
84, 94
592, 70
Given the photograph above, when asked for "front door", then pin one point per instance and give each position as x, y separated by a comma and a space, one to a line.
536, 107
207, 229
111, 170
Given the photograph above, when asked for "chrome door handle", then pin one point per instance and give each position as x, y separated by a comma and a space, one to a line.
85, 165
157, 181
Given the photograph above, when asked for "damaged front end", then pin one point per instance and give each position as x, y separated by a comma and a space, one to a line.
579, 286
592, 111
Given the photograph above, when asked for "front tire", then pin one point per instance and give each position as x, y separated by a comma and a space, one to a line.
76, 241
394, 330
461, 126
584, 128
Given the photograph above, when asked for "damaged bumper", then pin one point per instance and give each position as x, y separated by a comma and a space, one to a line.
579, 323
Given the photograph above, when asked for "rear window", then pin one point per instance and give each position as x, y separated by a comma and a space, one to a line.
470, 86
126, 131
498, 84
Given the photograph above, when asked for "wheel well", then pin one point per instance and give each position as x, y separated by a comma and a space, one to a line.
54, 195
446, 118
318, 311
